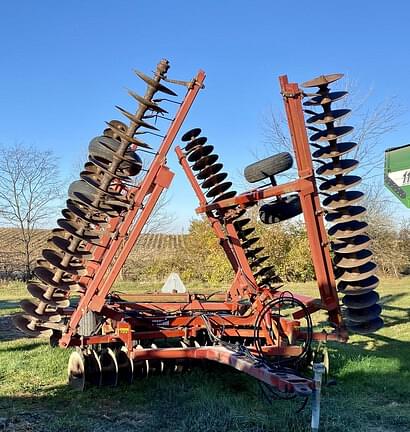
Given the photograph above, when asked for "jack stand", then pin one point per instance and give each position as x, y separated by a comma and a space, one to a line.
318, 369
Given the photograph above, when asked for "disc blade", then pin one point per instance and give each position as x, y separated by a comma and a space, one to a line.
322, 80
343, 166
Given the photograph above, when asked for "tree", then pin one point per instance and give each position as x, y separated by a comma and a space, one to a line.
29, 188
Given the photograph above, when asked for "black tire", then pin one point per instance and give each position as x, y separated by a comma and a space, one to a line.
268, 167
278, 211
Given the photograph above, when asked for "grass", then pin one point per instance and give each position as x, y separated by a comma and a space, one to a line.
372, 392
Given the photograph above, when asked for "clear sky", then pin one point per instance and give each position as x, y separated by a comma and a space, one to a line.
65, 64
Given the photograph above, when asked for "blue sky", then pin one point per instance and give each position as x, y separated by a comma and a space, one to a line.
64, 65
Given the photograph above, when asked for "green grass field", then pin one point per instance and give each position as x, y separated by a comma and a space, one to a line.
372, 391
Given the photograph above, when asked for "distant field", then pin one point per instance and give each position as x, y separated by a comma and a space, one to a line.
372, 392
148, 247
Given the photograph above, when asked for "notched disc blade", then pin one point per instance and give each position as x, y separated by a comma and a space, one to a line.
351, 245
361, 301
342, 166
331, 134
358, 287
358, 273
338, 200
248, 243
219, 189
328, 116
26, 324
353, 260
30, 307
363, 315
326, 98
334, 150
191, 134
347, 229
153, 83
214, 180
345, 214
208, 171
205, 161
199, 152
366, 327
38, 291
338, 184
322, 80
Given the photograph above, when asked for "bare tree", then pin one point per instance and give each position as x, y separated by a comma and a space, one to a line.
29, 189
371, 126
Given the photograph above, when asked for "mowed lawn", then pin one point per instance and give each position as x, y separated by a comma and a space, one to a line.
372, 391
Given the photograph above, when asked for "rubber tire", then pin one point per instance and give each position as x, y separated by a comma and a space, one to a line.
268, 167
279, 211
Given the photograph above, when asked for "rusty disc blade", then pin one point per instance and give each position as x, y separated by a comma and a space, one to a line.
26, 324
109, 367
155, 84
118, 174
358, 287
85, 213
113, 130
205, 161
199, 152
147, 102
136, 119
197, 142
334, 150
77, 232
208, 171
95, 184
248, 243
344, 199
361, 301
363, 315
351, 245
55, 260
253, 252
38, 291
328, 116
46, 276
347, 229
239, 224
191, 134
353, 260
343, 166
322, 80
366, 327
357, 273
331, 134
325, 98
224, 196
218, 189
340, 183
30, 307
65, 246
242, 234
214, 180
263, 271
258, 261
345, 214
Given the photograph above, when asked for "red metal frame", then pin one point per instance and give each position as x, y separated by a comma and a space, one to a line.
133, 319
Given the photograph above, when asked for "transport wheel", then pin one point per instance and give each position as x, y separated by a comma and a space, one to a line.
286, 208
268, 167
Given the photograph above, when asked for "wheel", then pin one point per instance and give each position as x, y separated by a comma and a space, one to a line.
286, 208
268, 167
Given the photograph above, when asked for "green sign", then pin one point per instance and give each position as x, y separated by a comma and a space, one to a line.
397, 172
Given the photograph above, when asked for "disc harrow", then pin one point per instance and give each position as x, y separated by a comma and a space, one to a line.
99, 196
213, 182
354, 268
255, 326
